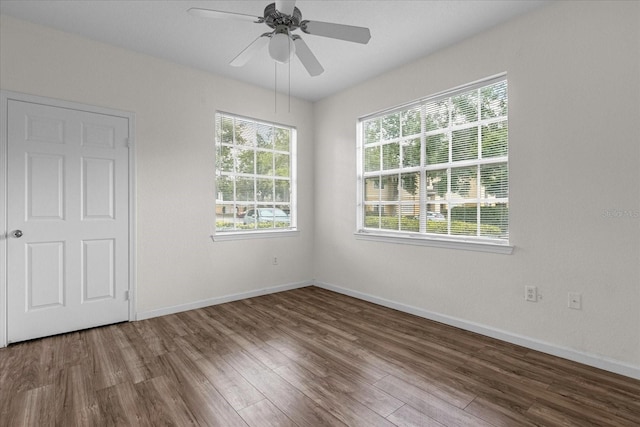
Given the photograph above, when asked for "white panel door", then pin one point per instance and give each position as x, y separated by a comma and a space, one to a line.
68, 219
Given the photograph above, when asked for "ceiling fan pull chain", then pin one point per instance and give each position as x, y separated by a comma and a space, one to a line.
290, 41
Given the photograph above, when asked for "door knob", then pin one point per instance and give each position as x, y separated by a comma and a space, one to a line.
17, 234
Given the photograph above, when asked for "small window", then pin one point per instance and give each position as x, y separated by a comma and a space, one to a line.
437, 169
255, 176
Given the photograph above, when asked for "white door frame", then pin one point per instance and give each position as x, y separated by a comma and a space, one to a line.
5, 97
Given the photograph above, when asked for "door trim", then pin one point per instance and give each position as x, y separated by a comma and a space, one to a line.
5, 97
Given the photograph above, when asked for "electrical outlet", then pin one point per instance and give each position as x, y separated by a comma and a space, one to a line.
575, 301
531, 293
275, 260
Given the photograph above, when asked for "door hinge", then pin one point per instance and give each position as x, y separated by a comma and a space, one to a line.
126, 142
126, 295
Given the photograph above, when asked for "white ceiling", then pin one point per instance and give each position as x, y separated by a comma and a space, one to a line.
401, 31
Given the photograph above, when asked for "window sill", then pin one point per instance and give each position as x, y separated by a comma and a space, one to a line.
243, 235
446, 243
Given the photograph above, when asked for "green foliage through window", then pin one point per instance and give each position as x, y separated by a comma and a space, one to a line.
254, 174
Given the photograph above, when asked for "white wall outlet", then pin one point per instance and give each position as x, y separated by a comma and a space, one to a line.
531, 293
275, 260
575, 301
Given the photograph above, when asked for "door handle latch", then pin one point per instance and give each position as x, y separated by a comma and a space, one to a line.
17, 234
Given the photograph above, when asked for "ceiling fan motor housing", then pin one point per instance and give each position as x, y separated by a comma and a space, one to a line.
273, 18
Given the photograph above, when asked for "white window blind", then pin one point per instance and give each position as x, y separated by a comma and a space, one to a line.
438, 168
255, 175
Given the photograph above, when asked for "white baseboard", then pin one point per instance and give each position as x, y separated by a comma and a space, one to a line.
544, 347
552, 349
220, 300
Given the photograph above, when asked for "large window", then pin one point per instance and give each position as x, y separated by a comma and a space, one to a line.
437, 169
255, 175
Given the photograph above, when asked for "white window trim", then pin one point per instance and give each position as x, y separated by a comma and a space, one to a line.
421, 239
292, 231
251, 234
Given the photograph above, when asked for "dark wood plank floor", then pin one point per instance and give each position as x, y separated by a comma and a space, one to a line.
307, 357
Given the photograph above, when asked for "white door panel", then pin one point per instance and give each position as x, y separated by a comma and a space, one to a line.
44, 275
68, 181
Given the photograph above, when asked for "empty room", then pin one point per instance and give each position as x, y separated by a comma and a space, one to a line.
318, 212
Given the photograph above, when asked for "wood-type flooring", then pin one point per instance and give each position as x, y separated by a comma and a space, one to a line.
306, 357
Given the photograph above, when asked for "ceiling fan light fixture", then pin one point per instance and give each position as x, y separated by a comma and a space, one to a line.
281, 47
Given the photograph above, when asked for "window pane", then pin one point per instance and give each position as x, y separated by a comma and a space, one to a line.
371, 159
372, 131
391, 156
285, 208
389, 188
495, 181
226, 130
411, 122
265, 163
224, 188
282, 139
410, 218
283, 190
225, 217
264, 190
241, 212
245, 132
409, 186
465, 108
463, 228
494, 100
224, 158
391, 126
494, 140
437, 149
264, 136
372, 216
464, 182
389, 218
282, 224
464, 144
244, 190
437, 184
464, 220
437, 218
372, 189
437, 115
494, 220
268, 216
411, 153
282, 164
246, 163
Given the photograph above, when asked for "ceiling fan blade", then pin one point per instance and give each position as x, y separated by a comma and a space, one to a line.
307, 57
285, 6
219, 14
348, 33
249, 51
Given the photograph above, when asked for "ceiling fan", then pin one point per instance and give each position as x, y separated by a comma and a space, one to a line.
283, 17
